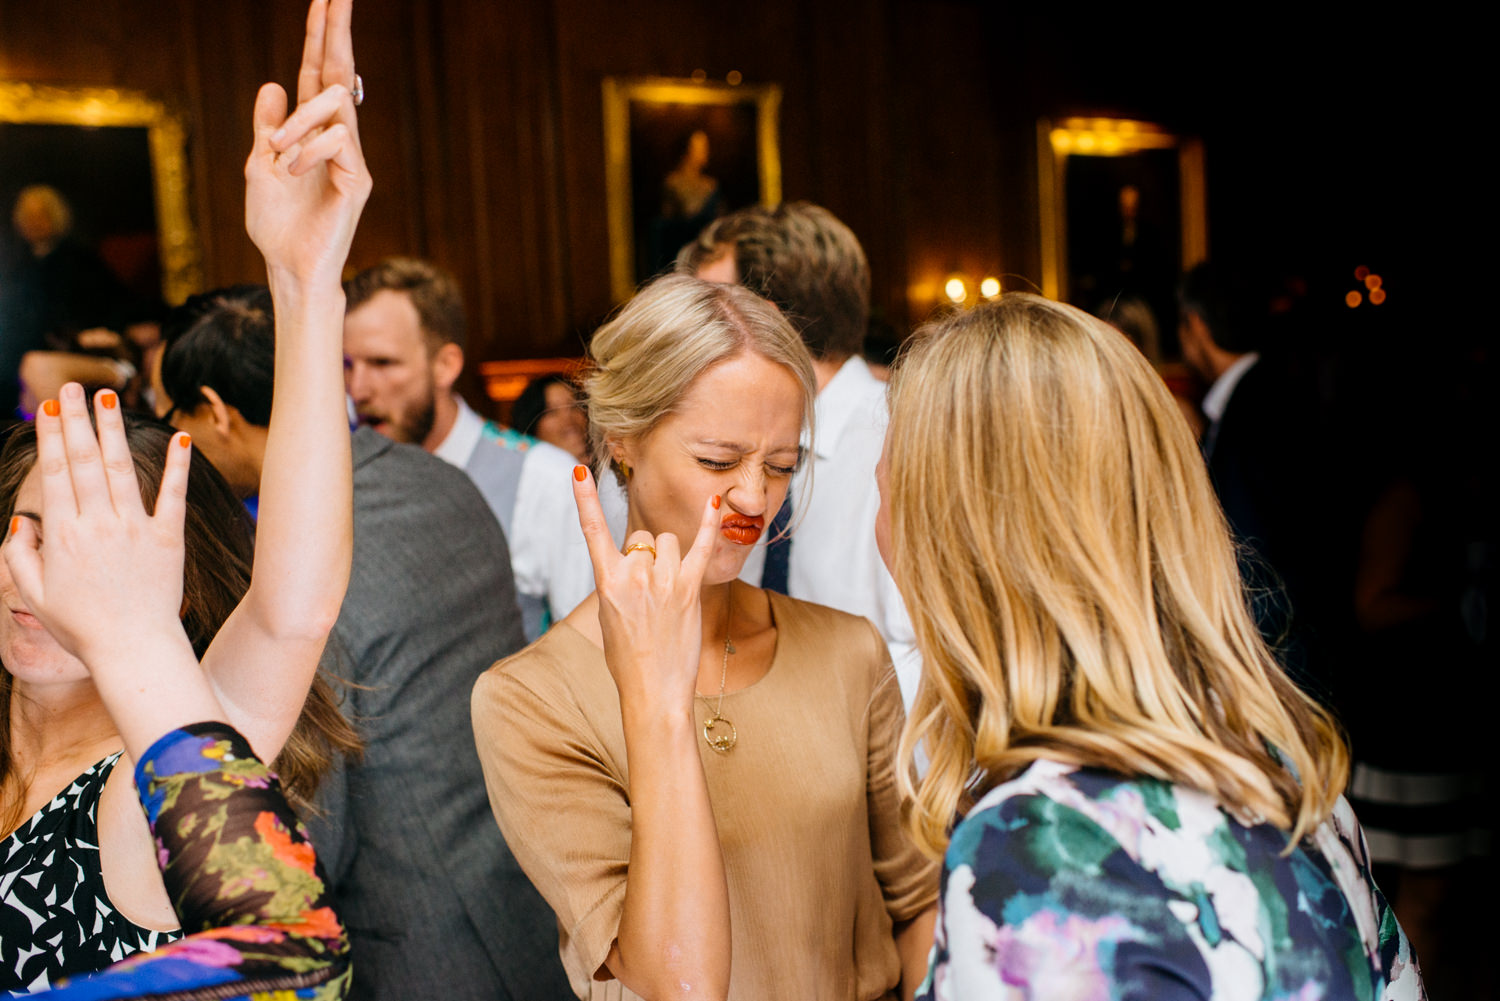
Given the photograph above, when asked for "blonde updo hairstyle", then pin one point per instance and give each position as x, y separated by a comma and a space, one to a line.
1072, 581
673, 331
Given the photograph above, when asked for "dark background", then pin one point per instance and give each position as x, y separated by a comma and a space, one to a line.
1332, 140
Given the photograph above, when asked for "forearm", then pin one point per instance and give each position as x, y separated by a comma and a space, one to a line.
914, 945
304, 536
674, 936
152, 685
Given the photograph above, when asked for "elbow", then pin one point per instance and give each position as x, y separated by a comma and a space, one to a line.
290, 620
670, 982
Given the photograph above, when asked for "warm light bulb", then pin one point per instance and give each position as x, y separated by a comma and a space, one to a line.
1377, 296
1372, 282
989, 288
955, 289
733, 78
1353, 299
1360, 273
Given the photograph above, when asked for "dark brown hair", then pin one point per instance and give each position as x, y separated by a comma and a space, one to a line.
433, 291
219, 547
802, 258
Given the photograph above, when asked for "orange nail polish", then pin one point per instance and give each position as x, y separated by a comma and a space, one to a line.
716, 500
580, 473
108, 399
50, 408
15, 524
185, 440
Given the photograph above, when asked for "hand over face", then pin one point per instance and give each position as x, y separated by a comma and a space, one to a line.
93, 566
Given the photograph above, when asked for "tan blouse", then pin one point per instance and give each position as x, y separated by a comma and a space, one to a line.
805, 804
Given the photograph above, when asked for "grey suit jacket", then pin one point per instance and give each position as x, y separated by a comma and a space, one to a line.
435, 903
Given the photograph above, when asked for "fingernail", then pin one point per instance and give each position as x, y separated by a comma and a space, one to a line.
186, 439
580, 473
716, 501
108, 399
51, 409
72, 391
278, 135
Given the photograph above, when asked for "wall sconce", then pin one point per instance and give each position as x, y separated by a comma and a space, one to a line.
956, 289
990, 288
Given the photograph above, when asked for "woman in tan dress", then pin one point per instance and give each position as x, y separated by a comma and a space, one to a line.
697, 774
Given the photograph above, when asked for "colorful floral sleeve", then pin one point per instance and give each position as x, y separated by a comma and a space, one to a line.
242, 876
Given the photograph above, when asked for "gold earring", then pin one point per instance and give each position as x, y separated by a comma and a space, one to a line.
625, 469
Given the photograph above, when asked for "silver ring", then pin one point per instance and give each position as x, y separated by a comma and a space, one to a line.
358, 90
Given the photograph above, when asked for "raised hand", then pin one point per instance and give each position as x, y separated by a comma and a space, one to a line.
649, 605
306, 179
109, 572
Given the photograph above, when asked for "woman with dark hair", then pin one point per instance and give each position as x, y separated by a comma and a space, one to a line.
234, 859
79, 882
549, 409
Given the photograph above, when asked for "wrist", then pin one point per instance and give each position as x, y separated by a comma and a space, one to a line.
295, 291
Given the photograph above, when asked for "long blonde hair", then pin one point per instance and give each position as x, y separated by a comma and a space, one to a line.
1072, 581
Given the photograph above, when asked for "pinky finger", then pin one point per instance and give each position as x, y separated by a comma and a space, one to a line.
24, 560
171, 499
695, 563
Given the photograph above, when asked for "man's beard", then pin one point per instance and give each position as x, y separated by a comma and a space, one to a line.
411, 427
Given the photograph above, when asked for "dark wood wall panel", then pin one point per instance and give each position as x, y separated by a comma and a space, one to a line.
913, 120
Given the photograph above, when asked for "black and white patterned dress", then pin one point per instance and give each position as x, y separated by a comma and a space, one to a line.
55, 918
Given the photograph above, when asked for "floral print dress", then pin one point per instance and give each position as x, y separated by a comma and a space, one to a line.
1075, 884
241, 875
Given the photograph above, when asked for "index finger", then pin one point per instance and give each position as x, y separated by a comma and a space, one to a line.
310, 73
695, 563
602, 551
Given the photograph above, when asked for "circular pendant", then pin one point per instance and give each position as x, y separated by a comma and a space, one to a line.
724, 740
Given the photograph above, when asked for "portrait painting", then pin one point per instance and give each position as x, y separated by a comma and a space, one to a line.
679, 154
1123, 219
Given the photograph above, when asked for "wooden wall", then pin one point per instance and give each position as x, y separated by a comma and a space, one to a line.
913, 120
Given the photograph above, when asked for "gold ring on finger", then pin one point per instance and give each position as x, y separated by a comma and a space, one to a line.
642, 546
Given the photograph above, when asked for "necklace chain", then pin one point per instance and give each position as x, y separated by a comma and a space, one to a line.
722, 742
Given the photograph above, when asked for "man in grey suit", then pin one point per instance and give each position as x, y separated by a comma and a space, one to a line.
434, 902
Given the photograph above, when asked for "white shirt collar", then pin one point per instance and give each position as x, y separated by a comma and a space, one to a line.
839, 403
1217, 397
463, 437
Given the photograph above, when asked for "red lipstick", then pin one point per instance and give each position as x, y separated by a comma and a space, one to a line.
740, 530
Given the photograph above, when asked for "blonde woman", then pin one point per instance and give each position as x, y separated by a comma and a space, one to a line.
698, 774
1146, 807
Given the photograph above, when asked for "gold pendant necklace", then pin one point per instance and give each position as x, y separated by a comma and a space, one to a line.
718, 731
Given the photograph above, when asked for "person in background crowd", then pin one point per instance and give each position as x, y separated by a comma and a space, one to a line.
404, 342
1133, 799
697, 773
549, 410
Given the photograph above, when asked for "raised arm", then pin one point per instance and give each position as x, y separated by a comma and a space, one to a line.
306, 183
674, 934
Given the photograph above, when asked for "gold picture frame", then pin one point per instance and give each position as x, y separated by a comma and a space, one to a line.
1113, 137
644, 117
179, 249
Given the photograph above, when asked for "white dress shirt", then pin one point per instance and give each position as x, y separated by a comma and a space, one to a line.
834, 559
547, 550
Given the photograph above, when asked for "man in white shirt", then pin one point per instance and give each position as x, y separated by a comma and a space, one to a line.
801, 257
404, 342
